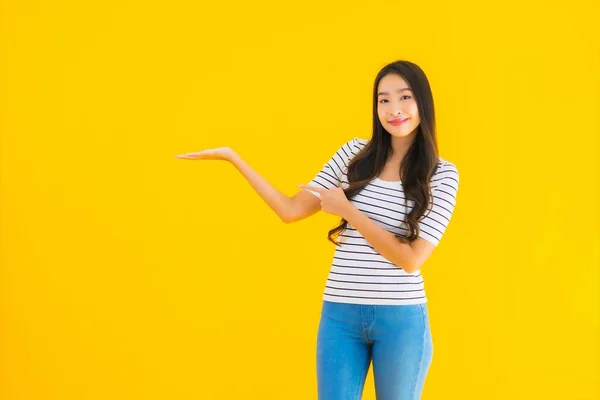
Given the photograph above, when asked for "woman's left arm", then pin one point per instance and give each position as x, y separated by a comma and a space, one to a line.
409, 257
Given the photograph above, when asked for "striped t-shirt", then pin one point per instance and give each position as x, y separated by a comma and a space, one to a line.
359, 274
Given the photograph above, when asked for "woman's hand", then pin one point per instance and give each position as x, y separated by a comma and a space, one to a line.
220, 153
333, 201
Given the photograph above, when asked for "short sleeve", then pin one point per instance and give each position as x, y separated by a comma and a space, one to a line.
444, 189
335, 169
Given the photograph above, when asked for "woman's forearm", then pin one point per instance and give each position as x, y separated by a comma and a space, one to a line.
279, 202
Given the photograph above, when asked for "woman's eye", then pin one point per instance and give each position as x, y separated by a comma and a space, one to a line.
400, 97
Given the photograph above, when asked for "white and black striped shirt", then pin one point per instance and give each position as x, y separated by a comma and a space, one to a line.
359, 274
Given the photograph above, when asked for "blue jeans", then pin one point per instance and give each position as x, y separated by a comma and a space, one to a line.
396, 337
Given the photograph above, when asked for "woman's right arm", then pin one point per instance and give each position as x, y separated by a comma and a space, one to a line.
290, 209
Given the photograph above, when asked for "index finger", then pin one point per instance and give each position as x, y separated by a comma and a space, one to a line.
313, 188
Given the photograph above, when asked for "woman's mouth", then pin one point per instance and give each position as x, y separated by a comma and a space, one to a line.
397, 122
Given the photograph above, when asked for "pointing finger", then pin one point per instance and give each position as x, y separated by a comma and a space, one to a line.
313, 188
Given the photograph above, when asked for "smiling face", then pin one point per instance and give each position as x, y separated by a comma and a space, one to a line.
395, 101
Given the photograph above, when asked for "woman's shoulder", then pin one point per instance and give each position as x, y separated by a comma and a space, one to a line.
446, 171
358, 143
445, 165
446, 168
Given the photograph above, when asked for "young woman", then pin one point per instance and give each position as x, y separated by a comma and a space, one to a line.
395, 196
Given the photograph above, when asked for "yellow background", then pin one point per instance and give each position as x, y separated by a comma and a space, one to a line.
129, 274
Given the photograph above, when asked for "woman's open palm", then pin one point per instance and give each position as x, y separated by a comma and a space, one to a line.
220, 153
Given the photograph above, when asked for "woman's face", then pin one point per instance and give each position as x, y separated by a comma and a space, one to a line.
395, 101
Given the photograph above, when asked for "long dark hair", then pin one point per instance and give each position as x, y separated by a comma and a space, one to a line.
420, 161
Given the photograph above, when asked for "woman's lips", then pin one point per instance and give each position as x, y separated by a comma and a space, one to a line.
396, 123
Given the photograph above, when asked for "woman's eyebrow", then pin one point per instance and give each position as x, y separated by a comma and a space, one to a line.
398, 91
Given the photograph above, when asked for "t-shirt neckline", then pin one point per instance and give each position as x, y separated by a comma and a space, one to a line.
387, 183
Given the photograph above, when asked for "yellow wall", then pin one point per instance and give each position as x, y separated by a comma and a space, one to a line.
129, 274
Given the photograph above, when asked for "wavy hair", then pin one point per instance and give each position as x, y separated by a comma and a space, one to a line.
419, 163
